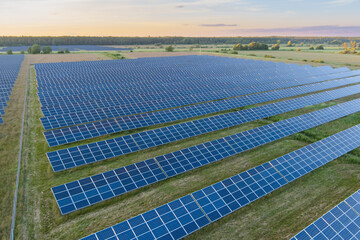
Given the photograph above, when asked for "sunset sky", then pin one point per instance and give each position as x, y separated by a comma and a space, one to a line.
180, 18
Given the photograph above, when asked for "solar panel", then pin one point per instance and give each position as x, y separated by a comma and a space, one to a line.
9, 69
222, 198
341, 222
119, 181
74, 117
101, 128
108, 89
73, 157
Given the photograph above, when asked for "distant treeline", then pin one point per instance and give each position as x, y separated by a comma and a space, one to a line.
74, 40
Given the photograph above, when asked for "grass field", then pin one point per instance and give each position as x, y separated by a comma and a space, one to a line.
279, 215
289, 204
9, 149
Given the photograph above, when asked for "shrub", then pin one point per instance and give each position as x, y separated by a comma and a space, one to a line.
169, 49
304, 60
319, 47
349, 51
251, 46
268, 56
311, 47
275, 47
298, 50
318, 61
233, 52
251, 54
67, 50
28, 50
9, 51
22, 52
60, 51
46, 50
290, 59
35, 49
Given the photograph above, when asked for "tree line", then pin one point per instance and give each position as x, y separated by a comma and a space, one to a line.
77, 40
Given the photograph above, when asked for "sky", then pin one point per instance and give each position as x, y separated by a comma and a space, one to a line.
193, 18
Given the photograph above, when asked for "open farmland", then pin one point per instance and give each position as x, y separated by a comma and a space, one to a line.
110, 123
105, 141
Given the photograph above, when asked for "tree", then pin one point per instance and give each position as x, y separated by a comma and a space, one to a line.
60, 51
353, 44
35, 49
319, 47
289, 43
301, 44
46, 50
22, 52
67, 50
311, 47
276, 47
298, 50
344, 45
28, 50
169, 49
9, 51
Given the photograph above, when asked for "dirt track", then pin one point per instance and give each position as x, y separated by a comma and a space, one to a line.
51, 58
156, 54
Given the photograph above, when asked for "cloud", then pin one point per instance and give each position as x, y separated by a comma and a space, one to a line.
179, 6
341, 2
218, 25
330, 30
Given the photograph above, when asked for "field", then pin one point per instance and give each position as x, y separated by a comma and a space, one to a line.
279, 215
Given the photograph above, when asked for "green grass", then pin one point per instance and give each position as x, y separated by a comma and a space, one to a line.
277, 216
9, 150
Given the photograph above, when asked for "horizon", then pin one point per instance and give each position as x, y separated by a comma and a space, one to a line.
187, 18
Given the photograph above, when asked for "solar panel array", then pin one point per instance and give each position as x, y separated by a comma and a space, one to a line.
94, 189
72, 48
192, 212
341, 222
85, 100
98, 151
83, 95
9, 70
105, 127
99, 110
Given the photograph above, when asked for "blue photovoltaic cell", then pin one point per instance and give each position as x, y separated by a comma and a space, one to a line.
89, 153
341, 222
82, 92
9, 69
90, 115
80, 132
140, 174
222, 198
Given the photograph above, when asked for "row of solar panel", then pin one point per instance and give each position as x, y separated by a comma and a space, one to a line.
341, 222
81, 117
9, 69
71, 99
166, 72
67, 104
85, 192
93, 152
78, 105
156, 91
192, 212
101, 128
160, 69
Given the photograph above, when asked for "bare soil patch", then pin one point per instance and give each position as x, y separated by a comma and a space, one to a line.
78, 57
